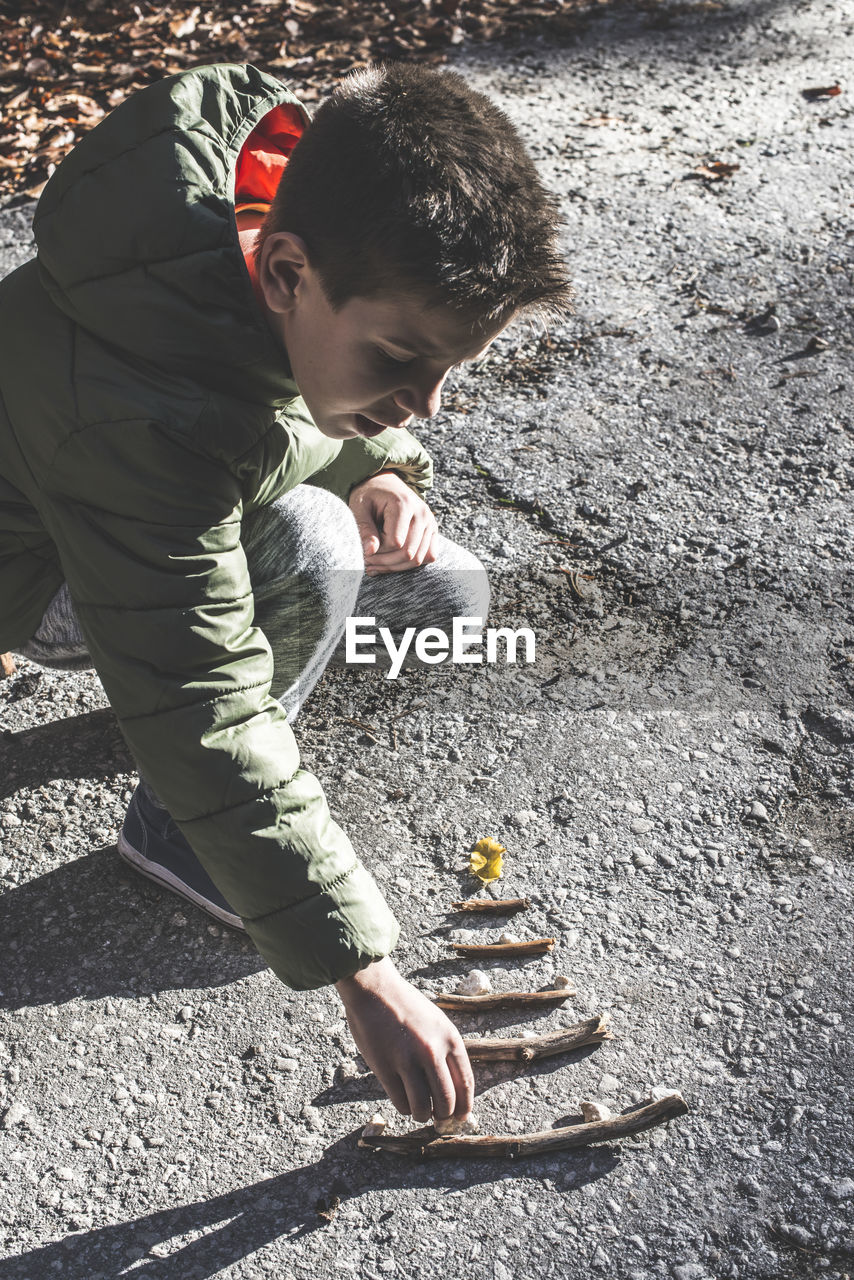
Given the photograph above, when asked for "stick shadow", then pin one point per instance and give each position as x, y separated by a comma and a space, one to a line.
260, 1214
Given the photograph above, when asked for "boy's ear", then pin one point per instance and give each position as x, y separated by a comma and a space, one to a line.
282, 269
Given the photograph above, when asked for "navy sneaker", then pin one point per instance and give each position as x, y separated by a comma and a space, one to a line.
152, 844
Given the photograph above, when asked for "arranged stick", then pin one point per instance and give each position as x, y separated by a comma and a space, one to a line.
502, 1000
536, 947
500, 906
426, 1144
591, 1031
7, 664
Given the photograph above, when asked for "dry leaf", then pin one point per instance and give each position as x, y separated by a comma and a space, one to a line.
65, 53
485, 860
822, 91
181, 27
595, 122
714, 171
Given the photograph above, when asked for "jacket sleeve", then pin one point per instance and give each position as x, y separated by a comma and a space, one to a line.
359, 458
167, 612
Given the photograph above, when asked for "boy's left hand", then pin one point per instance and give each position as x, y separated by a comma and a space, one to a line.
397, 528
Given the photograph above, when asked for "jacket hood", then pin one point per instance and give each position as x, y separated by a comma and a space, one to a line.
137, 238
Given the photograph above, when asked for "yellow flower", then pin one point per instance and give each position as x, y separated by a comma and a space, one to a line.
485, 860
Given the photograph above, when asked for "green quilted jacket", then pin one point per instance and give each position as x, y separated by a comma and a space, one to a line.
144, 408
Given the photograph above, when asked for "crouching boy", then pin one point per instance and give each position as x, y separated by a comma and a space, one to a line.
207, 378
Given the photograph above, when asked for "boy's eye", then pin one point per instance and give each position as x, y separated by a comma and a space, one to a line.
387, 359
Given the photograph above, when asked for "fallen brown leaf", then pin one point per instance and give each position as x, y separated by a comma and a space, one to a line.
714, 171
75, 62
821, 91
595, 122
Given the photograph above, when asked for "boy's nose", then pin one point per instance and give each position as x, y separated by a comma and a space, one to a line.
423, 399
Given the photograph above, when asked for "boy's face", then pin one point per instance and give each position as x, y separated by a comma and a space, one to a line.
376, 362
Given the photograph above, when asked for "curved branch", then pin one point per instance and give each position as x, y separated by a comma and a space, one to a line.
427, 1145
591, 1031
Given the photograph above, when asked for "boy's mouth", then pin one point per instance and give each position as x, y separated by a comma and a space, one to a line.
366, 427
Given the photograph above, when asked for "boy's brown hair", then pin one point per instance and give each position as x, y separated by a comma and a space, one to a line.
408, 181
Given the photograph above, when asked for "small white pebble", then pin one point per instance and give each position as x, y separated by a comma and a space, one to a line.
561, 983
348, 1070
285, 1064
508, 938
609, 1084
452, 1126
593, 1111
475, 983
375, 1126
660, 1091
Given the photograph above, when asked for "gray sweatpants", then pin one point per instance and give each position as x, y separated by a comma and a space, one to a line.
307, 570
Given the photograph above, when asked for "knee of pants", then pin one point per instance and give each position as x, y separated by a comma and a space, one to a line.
306, 563
457, 584
306, 545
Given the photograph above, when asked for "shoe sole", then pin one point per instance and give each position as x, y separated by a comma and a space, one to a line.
163, 876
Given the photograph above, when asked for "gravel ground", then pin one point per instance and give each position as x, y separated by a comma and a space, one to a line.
662, 491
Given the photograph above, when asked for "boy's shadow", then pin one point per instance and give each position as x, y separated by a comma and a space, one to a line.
260, 1214
84, 746
84, 929
91, 927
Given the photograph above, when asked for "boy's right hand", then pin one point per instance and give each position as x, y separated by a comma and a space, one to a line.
413, 1049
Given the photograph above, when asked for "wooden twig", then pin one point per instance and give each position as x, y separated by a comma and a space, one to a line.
367, 729
500, 906
591, 1031
535, 947
575, 580
416, 706
502, 1000
426, 1143
7, 664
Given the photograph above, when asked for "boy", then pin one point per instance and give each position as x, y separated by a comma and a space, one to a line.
207, 373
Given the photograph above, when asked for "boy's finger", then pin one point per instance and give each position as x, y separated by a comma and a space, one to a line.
412, 552
462, 1075
424, 546
369, 534
390, 561
396, 522
443, 1091
433, 549
396, 1093
418, 1092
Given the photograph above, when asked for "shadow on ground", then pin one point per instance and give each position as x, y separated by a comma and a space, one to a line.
246, 1220
79, 930
84, 746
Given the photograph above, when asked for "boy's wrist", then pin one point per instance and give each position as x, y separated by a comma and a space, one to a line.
366, 978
